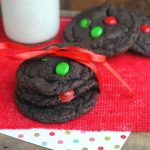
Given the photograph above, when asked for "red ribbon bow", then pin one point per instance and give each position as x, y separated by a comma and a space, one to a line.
80, 55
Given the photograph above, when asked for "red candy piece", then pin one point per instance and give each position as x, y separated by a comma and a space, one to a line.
145, 28
67, 96
110, 20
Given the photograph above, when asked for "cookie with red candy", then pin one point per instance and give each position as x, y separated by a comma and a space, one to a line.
142, 44
104, 30
54, 89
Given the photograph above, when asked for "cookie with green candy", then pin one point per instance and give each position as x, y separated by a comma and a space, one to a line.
54, 89
105, 30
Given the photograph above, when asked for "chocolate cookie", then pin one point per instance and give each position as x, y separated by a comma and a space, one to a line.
142, 44
62, 112
105, 29
55, 89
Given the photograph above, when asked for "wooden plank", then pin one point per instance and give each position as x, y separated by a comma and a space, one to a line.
138, 141
84, 4
64, 4
142, 5
9, 143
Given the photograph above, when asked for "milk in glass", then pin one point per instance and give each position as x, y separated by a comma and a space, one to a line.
30, 21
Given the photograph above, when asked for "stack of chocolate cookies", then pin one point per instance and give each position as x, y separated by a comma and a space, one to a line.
110, 31
55, 89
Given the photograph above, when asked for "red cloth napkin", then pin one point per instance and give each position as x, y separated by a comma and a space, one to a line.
115, 110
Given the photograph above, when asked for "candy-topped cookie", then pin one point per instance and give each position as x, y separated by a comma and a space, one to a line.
55, 89
142, 44
105, 30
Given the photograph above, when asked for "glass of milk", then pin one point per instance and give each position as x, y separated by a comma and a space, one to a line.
31, 21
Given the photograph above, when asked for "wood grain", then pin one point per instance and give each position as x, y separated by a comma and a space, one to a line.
141, 5
64, 4
84, 4
138, 141
8, 143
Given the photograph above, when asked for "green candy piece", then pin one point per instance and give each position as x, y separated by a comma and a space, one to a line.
44, 60
96, 31
84, 23
62, 68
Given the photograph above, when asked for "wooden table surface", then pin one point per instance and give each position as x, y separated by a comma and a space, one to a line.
136, 141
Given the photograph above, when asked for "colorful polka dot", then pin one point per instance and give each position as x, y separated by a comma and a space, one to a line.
52, 133
20, 136
101, 148
91, 139
36, 134
107, 138
123, 137
44, 143
67, 132
82, 131
116, 146
75, 141
60, 142
84, 148
69, 139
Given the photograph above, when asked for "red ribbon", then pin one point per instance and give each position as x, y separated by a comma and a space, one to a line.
80, 55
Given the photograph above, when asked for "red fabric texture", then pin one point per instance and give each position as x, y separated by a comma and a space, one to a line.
116, 108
